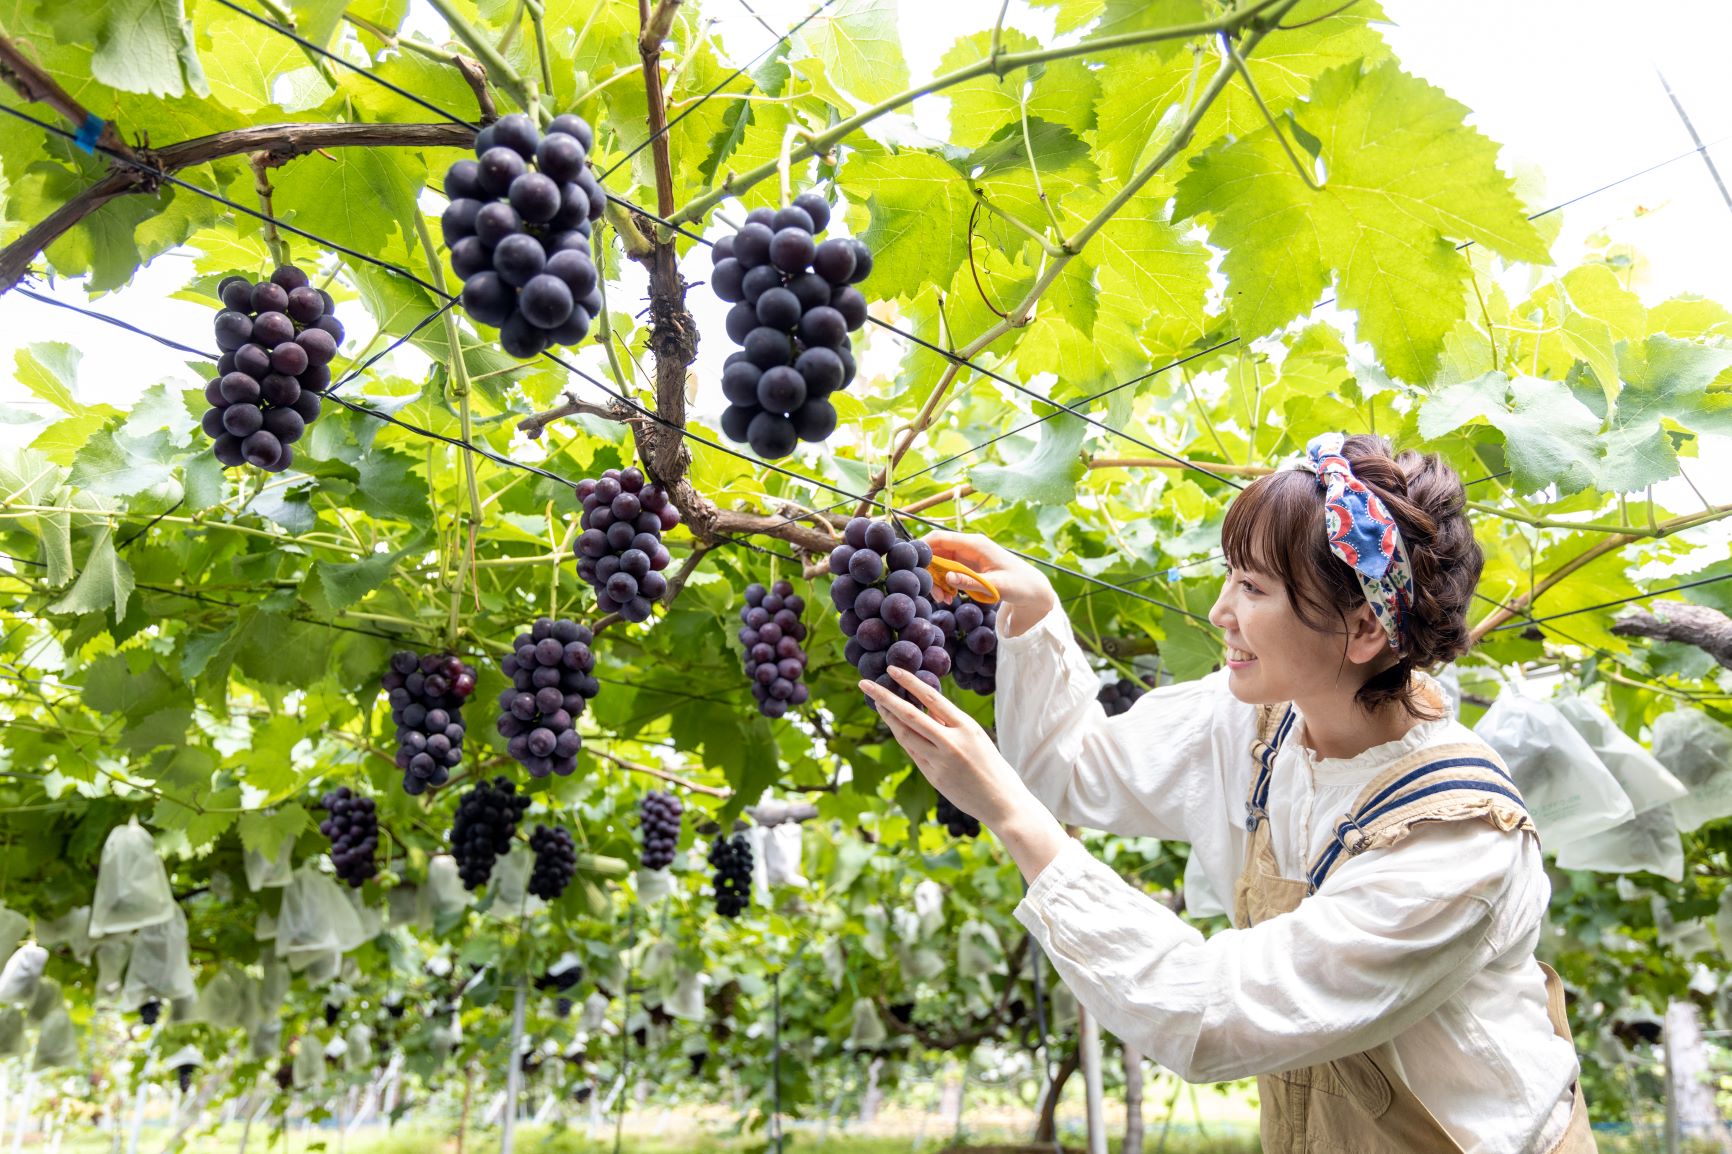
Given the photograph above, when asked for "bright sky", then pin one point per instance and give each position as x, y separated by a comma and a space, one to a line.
1570, 89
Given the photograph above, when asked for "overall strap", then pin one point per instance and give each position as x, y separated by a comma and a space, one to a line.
1272, 728
1442, 783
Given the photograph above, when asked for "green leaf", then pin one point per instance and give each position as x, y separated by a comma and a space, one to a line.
112, 685
1045, 476
265, 832
105, 581
359, 197
919, 208
345, 583
148, 47
50, 371
1406, 181
854, 49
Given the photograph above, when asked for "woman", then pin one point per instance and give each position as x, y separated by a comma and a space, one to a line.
1380, 977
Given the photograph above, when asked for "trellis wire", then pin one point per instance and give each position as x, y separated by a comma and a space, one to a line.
112, 320
1611, 604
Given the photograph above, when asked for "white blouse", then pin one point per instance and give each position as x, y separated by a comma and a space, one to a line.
1428, 944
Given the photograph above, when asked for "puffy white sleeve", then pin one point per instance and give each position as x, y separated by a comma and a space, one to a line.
1388, 938
1175, 766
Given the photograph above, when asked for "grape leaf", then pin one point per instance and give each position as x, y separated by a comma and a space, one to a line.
104, 582
147, 47
1405, 181
1046, 475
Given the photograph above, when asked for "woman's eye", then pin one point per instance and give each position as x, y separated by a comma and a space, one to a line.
1248, 587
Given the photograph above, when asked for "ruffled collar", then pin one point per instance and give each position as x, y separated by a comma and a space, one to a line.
1366, 765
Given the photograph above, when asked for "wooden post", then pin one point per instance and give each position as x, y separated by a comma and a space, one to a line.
513, 1071
1133, 1061
1089, 1043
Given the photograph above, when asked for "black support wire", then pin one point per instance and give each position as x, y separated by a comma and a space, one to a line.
115, 321
347, 63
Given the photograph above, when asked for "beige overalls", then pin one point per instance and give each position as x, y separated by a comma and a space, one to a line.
1358, 1104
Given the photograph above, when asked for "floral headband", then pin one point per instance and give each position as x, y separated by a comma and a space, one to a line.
1363, 534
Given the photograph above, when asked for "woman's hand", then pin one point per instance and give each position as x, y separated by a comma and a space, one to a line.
959, 759
1020, 585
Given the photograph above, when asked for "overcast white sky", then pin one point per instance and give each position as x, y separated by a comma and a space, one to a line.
1569, 88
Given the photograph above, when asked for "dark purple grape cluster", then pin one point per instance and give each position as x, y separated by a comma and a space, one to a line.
555, 862
658, 815
971, 636
794, 305
1118, 697
518, 230
486, 820
620, 551
732, 858
958, 823
427, 692
183, 1075
277, 339
352, 825
552, 672
149, 1012
883, 592
771, 634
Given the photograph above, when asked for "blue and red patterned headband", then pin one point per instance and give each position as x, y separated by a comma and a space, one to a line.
1363, 534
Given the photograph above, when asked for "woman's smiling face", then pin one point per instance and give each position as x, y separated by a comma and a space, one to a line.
1274, 656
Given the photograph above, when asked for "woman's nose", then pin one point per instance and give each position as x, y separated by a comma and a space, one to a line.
1219, 614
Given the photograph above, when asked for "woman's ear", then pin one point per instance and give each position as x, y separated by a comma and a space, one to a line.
1366, 640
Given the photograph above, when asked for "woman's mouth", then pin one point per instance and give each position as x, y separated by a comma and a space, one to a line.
1239, 658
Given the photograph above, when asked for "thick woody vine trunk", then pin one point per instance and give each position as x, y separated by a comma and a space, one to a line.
1046, 1127
1708, 629
1133, 1060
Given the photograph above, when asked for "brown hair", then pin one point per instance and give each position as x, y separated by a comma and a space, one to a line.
1276, 527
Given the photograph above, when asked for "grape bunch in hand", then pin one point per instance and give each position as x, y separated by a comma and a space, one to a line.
883, 592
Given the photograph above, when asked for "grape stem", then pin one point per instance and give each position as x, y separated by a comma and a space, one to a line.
500, 69
261, 162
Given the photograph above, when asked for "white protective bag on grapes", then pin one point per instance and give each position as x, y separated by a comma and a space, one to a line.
11, 1032
371, 918
46, 998
309, 1067
652, 887
1685, 938
222, 1003
756, 836
929, 906
407, 908
1569, 792
268, 873
509, 885
265, 1039
111, 958
56, 1042
315, 919
1698, 751
594, 1015
1723, 926
132, 889
978, 950
159, 969
446, 896
71, 929
835, 958
687, 1000
783, 846
1644, 779
1648, 842
867, 1029
360, 1042
23, 970
13, 927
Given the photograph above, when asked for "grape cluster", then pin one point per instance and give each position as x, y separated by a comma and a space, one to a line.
487, 817
183, 1075
427, 693
970, 634
1118, 697
149, 1012
277, 339
555, 862
552, 679
732, 857
620, 551
561, 980
518, 230
958, 823
884, 594
353, 827
771, 634
794, 306
658, 815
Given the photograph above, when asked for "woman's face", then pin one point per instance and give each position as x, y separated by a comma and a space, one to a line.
1273, 656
